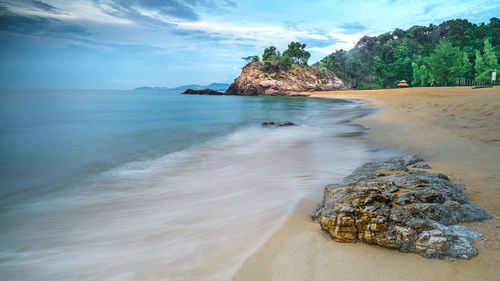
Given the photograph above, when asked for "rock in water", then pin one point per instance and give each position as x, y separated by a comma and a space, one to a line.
202, 92
392, 204
279, 124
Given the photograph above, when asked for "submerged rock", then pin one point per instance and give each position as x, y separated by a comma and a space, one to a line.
392, 204
278, 124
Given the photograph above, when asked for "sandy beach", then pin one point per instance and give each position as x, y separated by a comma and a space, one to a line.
457, 131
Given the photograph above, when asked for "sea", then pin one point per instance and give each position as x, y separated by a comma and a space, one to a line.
156, 185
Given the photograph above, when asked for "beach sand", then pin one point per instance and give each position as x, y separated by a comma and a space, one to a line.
457, 131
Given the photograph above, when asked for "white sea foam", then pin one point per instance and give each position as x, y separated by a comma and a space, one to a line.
190, 215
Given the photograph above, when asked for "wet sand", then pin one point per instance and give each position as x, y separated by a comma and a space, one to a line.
457, 131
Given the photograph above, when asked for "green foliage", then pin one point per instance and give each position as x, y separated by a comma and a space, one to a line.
296, 51
423, 55
266, 66
416, 77
424, 76
322, 72
447, 63
274, 60
486, 63
271, 54
250, 59
466, 66
421, 75
286, 61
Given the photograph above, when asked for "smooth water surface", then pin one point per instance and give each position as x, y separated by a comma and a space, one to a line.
154, 185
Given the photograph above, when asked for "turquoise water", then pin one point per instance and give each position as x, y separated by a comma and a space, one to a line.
54, 138
154, 185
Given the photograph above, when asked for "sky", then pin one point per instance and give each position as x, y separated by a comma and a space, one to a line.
123, 44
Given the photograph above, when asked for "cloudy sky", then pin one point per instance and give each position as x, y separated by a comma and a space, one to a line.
123, 44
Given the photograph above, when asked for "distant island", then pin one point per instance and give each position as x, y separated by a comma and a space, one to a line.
213, 86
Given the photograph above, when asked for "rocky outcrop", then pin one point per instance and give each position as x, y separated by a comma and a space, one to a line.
395, 204
202, 92
278, 124
254, 81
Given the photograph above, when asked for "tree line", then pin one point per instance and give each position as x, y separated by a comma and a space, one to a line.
423, 55
273, 59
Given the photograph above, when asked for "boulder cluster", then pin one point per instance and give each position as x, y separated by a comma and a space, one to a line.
396, 204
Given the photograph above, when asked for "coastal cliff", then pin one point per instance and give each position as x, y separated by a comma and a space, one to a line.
254, 81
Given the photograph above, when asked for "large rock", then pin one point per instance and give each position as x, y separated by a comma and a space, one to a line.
254, 81
395, 205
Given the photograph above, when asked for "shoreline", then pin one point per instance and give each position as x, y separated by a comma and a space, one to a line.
457, 131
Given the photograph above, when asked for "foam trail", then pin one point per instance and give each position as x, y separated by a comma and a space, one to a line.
189, 215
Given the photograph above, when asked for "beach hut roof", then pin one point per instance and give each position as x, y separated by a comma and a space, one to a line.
402, 84
403, 81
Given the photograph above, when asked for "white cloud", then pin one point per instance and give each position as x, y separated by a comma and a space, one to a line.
258, 35
67, 10
345, 41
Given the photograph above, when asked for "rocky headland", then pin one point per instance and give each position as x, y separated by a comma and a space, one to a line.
398, 205
254, 80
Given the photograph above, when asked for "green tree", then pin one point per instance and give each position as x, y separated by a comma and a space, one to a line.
480, 66
296, 51
466, 66
250, 59
416, 75
378, 61
486, 63
286, 61
424, 75
446, 63
271, 54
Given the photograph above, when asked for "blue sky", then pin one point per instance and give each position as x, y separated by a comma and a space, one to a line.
123, 44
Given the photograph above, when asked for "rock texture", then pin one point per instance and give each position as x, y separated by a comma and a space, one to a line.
279, 82
279, 124
202, 92
395, 205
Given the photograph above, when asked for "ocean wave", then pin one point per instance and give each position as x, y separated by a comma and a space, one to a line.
188, 215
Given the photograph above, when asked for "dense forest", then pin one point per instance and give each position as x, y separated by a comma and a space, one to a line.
434, 55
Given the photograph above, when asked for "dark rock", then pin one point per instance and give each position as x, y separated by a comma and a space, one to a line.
420, 165
388, 204
202, 92
278, 124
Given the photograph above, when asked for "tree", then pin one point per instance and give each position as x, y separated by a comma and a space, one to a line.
378, 61
271, 54
486, 63
466, 66
416, 76
297, 53
250, 59
286, 61
424, 75
446, 63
